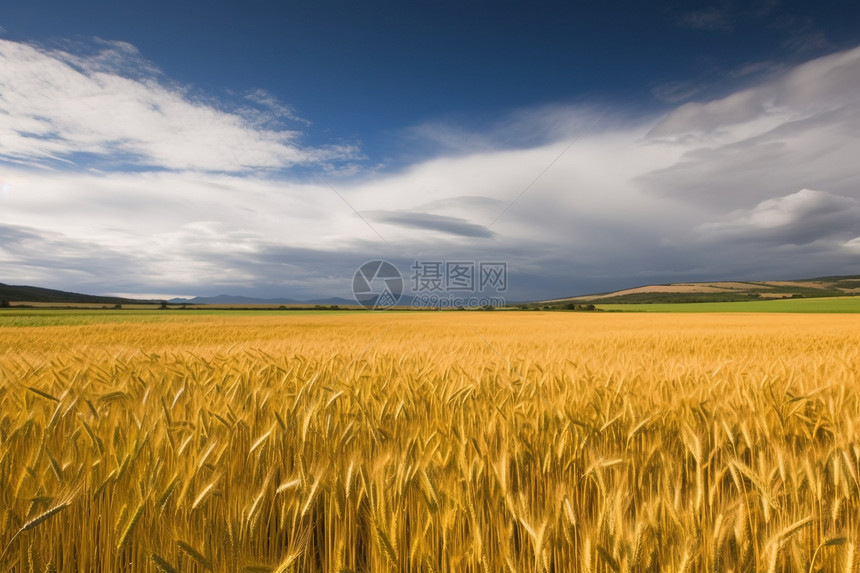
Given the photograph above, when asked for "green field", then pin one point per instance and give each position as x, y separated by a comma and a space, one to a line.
807, 305
72, 317
15, 317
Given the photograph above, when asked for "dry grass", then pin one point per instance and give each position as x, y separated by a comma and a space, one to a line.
696, 288
405, 442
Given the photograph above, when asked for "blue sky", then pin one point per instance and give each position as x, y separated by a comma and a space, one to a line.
270, 148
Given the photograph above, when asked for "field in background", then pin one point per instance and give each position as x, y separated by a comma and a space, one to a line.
725, 291
17, 317
798, 305
496, 441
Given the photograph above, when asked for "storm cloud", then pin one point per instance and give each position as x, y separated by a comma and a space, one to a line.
762, 183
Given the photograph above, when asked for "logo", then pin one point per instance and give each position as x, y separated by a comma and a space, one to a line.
377, 285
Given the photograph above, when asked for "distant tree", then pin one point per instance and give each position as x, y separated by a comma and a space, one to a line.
4, 304
117, 306
163, 305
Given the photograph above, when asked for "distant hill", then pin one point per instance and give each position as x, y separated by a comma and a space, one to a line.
37, 294
723, 291
231, 299
25, 294
717, 291
235, 299
223, 299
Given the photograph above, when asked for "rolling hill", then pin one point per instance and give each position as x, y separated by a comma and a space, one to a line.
723, 291
22, 293
222, 299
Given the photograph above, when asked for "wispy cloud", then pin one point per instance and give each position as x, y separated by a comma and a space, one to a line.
428, 221
796, 130
810, 40
676, 91
272, 109
756, 68
107, 106
712, 19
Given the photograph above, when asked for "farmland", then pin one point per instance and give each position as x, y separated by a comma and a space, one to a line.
445, 442
798, 305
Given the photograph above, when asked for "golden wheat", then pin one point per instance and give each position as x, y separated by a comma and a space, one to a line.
407, 442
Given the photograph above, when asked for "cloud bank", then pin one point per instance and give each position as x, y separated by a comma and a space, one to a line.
116, 180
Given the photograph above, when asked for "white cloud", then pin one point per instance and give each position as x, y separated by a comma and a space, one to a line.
149, 295
117, 107
711, 190
796, 130
817, 86
799, 218
853, 245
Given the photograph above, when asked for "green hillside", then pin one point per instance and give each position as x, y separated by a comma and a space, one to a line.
721, 292
37, 294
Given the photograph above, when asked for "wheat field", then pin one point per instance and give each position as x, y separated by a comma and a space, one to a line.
443, 442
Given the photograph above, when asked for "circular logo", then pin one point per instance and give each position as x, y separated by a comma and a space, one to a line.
377, 285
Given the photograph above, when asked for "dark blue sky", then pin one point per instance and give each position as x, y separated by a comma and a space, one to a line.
365, 71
